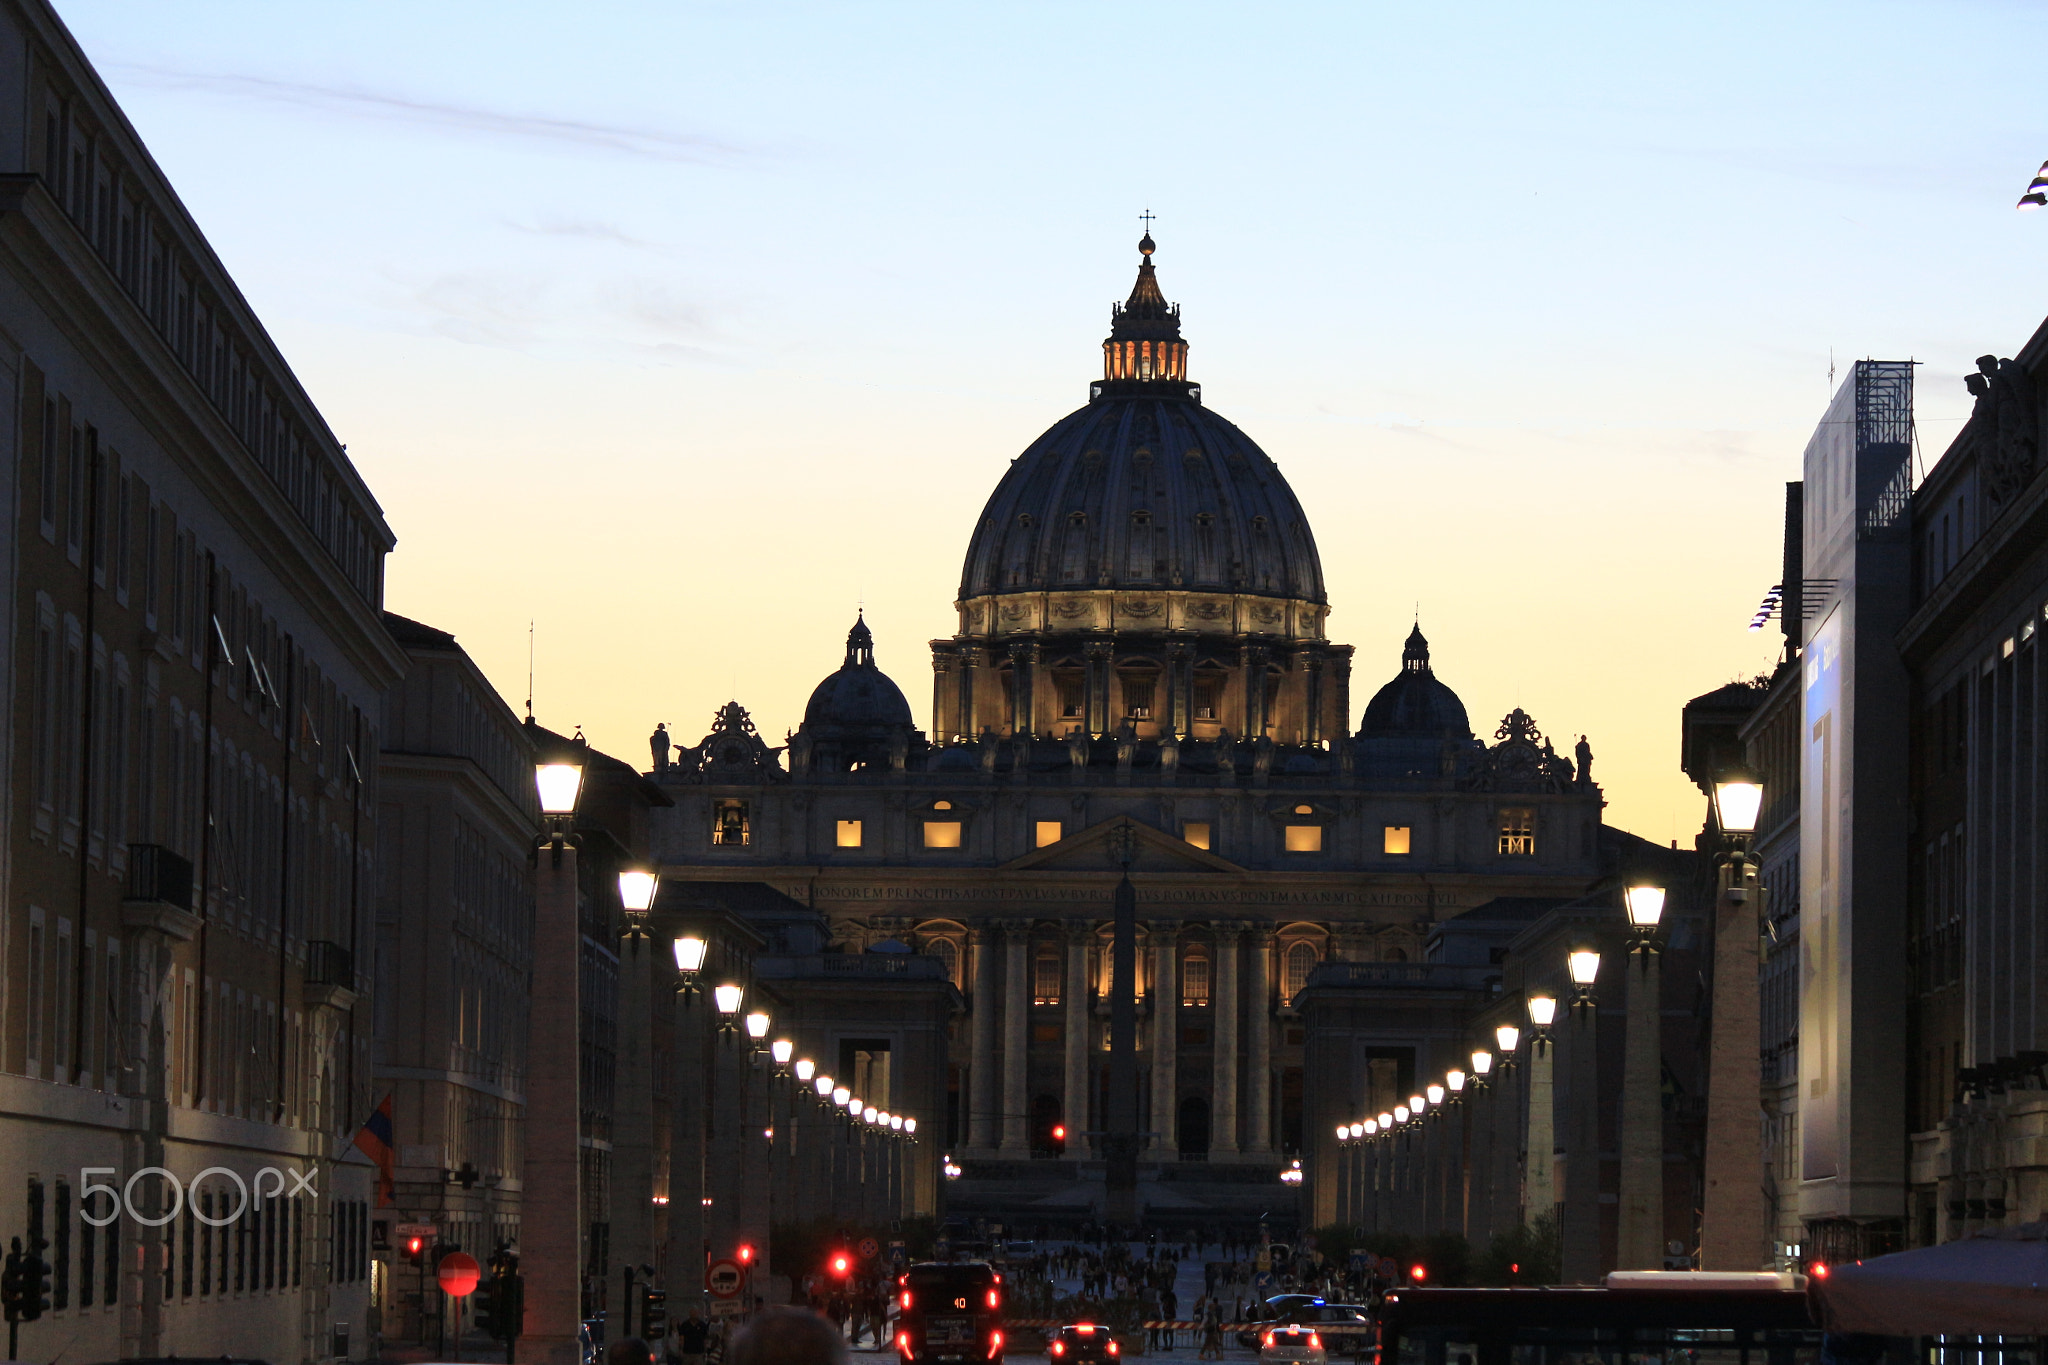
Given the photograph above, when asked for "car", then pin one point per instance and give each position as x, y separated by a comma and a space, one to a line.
1082, 1341
1291, 1343
1281, 1308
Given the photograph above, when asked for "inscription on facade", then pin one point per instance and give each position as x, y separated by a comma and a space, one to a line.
1070, 895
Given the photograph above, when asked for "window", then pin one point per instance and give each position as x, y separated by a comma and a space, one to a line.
1304, 838
1518, 831
942, 834
1195, 832
1047, 832
1395, 839
1295, 964
1138, 689
849, 834
1194, 980
1045, 979
948, 952
1209, 694
729, 823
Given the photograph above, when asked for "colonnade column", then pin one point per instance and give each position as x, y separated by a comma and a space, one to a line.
945, 696
983, 1113
1258, 1102
1165, 1035
1223, 1111
1074, 1102
1016, 1039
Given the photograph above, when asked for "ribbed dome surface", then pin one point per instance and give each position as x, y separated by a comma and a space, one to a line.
1143, 491
860, 695
1415, 704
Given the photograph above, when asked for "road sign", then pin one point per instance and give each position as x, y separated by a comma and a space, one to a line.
722, 1278
869, 1248
725, 1308
458, 1274
406, 1230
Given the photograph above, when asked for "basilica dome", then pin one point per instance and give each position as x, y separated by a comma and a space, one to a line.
860, 699
1143, 501
1415, 705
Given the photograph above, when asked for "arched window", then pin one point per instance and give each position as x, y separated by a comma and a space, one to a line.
1295, 965
1194, 979
948, 952
1045, 984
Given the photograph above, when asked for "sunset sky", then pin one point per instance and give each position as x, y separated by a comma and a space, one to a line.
681, 329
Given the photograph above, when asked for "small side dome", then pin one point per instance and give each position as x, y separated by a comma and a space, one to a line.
1415, 704
859, 696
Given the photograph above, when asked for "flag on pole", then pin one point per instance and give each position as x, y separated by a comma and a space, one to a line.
2037, 193
373, 1140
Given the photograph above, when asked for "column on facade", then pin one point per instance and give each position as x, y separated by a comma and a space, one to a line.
1258, 1101
945, 696
983, 1105
1023, 688
1075, 1039
1340, 680
1311, 662
1252, 661
1101, 669
1224, 992
1165, 1035
1180, 663
1016, 1137
970, 699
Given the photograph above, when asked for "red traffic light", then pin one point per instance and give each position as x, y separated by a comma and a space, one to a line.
1059, 1132
1418, 1272
746, 1254
841, 1264
414, 1246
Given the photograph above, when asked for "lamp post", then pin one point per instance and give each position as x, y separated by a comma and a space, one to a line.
631, 1183
1579, 1219
1480, 1121
693, 1076
551, 1213
1732, 1216
1540, 1186
1639, 1228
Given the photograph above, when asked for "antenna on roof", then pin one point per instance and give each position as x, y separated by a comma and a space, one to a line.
529, 668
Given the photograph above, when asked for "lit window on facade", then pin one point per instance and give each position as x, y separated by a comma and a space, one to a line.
729, 823
1295, 965
1518, 831
1194, 981
849, 834
1395, 840
942, 834
1195, 832
1045, 979
1046, 832
948, 952
1304, 838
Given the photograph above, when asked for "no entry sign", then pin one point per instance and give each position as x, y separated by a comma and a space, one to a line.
458, 1274
722, 1278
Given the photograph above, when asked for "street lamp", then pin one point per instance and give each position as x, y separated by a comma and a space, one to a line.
1434, 1093
780, 1052
1506, 1038
1539, 1189
1372, 1127
636, 898
1639, 1224
1584, 965
727, 997
690, 950
805, 1069
1482, 1067
1454, 1081
559, 785
1738, 800
1542, 1010
757, 1026
1579, 1217
1388, 1120
840, 1095
1400, 1113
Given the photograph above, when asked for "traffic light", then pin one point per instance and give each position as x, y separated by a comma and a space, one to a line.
14, 1283
415, 1248
746, 1256
653, 1314
486, 1309
841, 1265
1418, 1273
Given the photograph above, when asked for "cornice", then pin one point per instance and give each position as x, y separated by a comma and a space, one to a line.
2010, 541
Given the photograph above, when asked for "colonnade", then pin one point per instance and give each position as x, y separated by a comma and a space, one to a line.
1238, 1015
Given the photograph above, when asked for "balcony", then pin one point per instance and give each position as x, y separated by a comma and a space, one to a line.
330, 978
159, 893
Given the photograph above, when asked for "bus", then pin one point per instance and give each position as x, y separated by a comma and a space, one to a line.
949, 1311
1702, 1318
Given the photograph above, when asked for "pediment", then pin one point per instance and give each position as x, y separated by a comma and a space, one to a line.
1091, 850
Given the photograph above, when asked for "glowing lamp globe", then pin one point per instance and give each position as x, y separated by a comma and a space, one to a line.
1542, 1010
1645, 905
558, 784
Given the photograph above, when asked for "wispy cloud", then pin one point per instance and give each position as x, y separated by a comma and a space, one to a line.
654, 143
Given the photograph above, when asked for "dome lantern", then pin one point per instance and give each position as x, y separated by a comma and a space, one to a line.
1144, 345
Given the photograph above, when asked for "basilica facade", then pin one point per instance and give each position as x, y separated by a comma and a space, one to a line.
1141, 647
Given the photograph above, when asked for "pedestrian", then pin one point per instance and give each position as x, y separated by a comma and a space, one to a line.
788, 1336
1170, 1310
1212, 1330
693, 1335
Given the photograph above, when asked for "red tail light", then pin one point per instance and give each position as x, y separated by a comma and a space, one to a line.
995, 1298
1114, 1349
906, 1300
995, 1344
1059, 1348
1315, 1343
1269, 1341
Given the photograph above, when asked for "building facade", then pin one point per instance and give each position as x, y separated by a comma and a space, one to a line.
194, 663
1141, 645
457, 817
